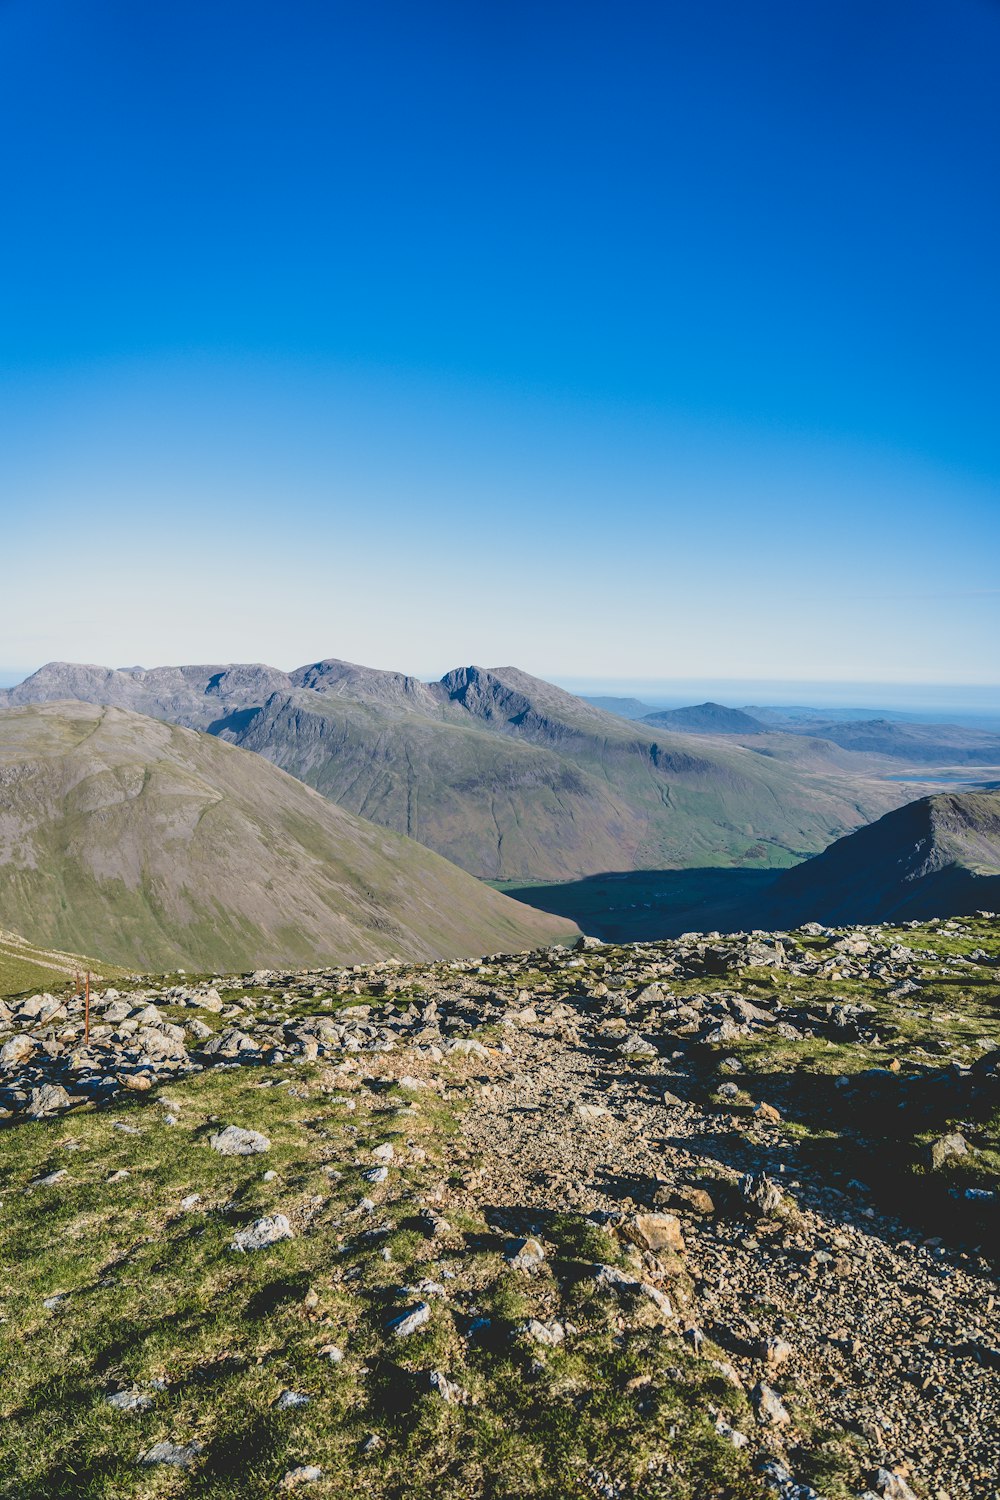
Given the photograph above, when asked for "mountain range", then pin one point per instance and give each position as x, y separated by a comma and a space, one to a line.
894, 737
155, 846
506, 775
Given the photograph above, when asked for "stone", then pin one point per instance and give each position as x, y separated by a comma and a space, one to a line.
177, 1455
589, 1112
234, 1141
547, 1334
50, 1179
694, 1200
16, 1051
945, 1148
653, 1231
467, 1048
47, 1100
774, 1351
261, 1233
767, 1113
304, 1474
635, 1045
771, 1410
892, 1486
130, 1400
405, 1323
447, 1389
524, 1255
762, 1197
289, 1399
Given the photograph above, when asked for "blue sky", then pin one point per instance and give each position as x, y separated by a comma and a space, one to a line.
644, 342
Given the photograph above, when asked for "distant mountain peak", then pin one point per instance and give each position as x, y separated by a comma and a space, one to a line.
706, 718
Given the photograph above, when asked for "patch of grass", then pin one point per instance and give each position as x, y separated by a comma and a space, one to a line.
146, 1294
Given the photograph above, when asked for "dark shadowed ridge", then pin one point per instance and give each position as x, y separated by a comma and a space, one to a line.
939, 856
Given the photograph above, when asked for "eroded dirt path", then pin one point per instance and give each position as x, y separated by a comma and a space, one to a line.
893, 1342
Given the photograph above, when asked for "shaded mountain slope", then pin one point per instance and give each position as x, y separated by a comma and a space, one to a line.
155, 846
938, 856
507, 775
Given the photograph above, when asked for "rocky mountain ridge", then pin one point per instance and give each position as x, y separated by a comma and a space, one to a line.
508, 776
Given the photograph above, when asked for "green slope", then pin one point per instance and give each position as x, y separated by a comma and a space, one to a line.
26, 966
154, 846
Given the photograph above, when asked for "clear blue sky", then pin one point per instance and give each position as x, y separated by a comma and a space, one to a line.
648, 341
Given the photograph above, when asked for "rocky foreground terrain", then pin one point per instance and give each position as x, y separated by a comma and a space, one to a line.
713, 1217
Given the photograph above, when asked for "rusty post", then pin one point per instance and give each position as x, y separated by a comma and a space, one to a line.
86, 1014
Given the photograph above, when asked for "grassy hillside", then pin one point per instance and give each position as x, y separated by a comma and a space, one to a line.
157, 846
25, 966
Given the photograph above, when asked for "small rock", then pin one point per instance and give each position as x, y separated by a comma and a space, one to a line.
761, 1196
892, 1486
946, 1147
403, 1324
549, 1334
304, 1474
178, 1455
695, 1199
261, 1233
131, 1400
635, 1045
524, 1255
289, 1399
16, 1051
769, 1407
448, 1390
50, 1179
774, 1351
234, 1141
47, 1100
653, 1231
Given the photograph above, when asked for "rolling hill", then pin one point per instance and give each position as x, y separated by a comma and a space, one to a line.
916, 744
938, 856
156, 846
506, 775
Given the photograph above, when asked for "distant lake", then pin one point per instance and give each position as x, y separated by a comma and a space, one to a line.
944, 779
